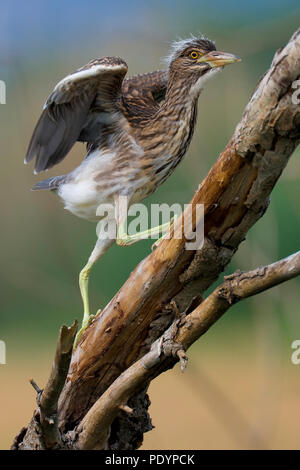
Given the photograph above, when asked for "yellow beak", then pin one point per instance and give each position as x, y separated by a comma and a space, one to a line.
218, 59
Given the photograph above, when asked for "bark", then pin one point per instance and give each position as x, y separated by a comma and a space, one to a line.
42, 432
154, 317
95, 426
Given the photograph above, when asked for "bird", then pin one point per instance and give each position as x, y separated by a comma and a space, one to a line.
136, 131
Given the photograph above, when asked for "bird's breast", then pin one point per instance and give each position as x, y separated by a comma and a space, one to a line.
166, 144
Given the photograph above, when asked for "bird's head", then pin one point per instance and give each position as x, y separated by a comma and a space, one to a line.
197, 59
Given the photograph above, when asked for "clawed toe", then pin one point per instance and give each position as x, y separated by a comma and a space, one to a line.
85, 324
79, 334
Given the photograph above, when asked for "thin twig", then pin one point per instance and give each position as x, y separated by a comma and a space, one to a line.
235, 288
126, 409
35, 386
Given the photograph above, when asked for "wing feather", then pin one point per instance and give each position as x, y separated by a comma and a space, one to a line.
86, 100
67, 108
149, 88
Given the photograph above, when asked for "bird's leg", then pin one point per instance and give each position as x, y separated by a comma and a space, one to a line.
83, 285
160, 239
101, 246
123, 239
164, 237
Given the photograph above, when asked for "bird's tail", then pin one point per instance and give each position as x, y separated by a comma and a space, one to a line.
50, 183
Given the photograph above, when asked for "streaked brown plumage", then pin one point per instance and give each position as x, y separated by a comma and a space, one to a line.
137, 130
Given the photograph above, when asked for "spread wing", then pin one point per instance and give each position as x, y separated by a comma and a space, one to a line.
74, 110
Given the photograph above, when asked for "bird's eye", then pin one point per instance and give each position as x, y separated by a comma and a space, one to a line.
194, 55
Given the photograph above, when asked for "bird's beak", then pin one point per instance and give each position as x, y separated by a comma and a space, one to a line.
218, 59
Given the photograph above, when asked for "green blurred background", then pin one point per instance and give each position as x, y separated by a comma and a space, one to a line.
241, 389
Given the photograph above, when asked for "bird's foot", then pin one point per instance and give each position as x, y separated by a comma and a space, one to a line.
158, 242
87, 321
166, 235
79, 334
124, 240
93, 317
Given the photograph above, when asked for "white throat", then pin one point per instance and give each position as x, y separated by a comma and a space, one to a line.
199, 85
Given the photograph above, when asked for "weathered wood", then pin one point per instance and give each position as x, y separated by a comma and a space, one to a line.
42, 432
94, 429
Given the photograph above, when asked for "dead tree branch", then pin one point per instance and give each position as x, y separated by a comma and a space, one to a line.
48, 402
94, 428
43, 432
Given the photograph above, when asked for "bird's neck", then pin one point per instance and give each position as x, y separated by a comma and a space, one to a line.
180, 91
177, 115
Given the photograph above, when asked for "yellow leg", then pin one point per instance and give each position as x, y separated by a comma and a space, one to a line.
101, 246
123, 239
84, 290
84, 285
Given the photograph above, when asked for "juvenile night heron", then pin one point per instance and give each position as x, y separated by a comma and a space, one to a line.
137, 131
